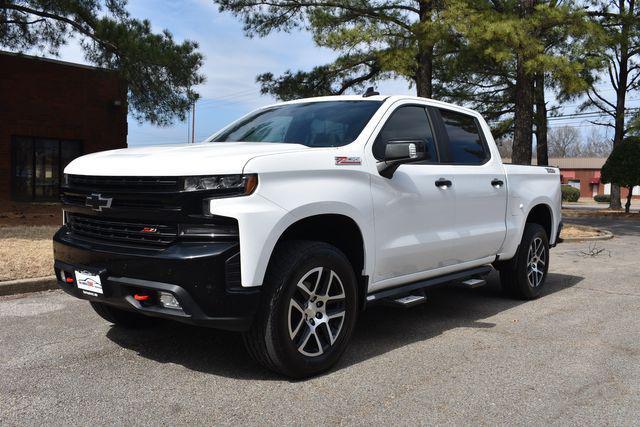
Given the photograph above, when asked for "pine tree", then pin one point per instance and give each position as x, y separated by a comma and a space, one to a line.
374, 39
521, 47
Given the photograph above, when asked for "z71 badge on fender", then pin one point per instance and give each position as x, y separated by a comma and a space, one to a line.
344, 161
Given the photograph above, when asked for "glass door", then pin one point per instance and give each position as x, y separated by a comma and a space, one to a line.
47, 168
22, 161
37, 165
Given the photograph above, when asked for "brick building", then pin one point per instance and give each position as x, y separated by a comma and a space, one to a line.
50, 113
583, 173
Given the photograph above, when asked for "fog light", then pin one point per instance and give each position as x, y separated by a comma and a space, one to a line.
167, 300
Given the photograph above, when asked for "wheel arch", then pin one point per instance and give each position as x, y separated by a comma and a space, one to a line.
338, 230
541, 214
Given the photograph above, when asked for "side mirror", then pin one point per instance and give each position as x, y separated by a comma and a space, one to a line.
400, 152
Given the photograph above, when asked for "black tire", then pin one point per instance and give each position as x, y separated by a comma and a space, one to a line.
515, 276
123, 318
276, 339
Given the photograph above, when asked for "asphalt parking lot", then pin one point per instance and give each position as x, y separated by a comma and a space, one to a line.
466, 357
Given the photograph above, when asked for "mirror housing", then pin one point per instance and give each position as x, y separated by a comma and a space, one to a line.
398, 152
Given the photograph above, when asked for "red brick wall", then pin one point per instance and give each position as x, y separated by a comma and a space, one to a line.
585, 176
47, 99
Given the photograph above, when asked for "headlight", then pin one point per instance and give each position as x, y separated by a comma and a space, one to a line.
225, 185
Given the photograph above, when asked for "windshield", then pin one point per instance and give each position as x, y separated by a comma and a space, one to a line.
314, 124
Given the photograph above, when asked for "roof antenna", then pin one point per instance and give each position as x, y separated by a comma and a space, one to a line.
370, 92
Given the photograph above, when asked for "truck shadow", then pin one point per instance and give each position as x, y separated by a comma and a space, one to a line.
379, 330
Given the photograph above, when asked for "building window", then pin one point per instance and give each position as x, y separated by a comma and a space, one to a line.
575, 183
37, 165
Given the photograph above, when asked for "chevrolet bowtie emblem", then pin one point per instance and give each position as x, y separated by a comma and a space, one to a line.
96, 202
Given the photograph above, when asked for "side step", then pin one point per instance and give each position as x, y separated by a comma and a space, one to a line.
408, 301
473, 283
469, 277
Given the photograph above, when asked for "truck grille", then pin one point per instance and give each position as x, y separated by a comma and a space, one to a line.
127, 201
124, 183
121, 232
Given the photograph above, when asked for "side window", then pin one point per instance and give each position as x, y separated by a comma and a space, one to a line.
406, 123
465, 143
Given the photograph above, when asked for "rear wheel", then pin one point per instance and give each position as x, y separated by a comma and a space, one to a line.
308, 311
123, 318
524, 276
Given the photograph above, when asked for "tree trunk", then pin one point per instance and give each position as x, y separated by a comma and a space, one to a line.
621, 93
424, 58
627, 205
424, 75
523, 117
542, 150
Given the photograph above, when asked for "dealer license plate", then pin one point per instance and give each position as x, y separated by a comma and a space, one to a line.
89, 282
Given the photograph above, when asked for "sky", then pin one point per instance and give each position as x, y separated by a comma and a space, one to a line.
232, 62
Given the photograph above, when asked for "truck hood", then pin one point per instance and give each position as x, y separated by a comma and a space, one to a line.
206, 158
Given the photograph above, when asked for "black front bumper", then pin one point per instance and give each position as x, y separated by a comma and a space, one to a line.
203, 277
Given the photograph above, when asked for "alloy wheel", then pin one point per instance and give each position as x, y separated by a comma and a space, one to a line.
316, 311
536, 262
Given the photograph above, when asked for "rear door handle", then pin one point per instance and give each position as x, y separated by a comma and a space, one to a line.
497, 183
443, 183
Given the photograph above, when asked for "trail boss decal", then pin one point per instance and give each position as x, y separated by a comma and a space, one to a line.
345, 161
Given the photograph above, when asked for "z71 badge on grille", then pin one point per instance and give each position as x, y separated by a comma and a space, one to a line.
344, 161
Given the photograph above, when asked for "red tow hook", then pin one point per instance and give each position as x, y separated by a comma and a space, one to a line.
69, 280
141, 297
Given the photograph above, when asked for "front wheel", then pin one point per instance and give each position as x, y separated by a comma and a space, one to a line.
524, 276
308, 311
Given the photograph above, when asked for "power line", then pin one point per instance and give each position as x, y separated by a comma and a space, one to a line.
250, 92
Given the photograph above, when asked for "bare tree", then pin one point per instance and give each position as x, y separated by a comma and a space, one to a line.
505, 146
620, 19
597, 145
564, 142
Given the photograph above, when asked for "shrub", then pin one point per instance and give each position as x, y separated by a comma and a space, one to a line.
602, 198
622, 166
570, 194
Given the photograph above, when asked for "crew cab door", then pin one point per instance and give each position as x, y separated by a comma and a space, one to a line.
479, 186
413, 216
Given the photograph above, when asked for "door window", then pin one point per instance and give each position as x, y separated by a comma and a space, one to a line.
37, 165
465, 146
406, 123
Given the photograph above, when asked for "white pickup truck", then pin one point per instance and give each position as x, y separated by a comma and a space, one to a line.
290, 221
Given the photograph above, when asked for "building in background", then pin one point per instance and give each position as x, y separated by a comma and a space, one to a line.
583, 173
50, 113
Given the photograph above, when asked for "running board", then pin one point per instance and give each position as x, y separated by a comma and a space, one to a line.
424, 284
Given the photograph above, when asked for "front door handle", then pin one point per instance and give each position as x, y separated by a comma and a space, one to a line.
443, 183
497, 183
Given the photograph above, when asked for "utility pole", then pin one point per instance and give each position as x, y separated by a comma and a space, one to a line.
193, 123
188, 126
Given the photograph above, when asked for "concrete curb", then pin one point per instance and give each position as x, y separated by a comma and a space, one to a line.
606, 235
23, 286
